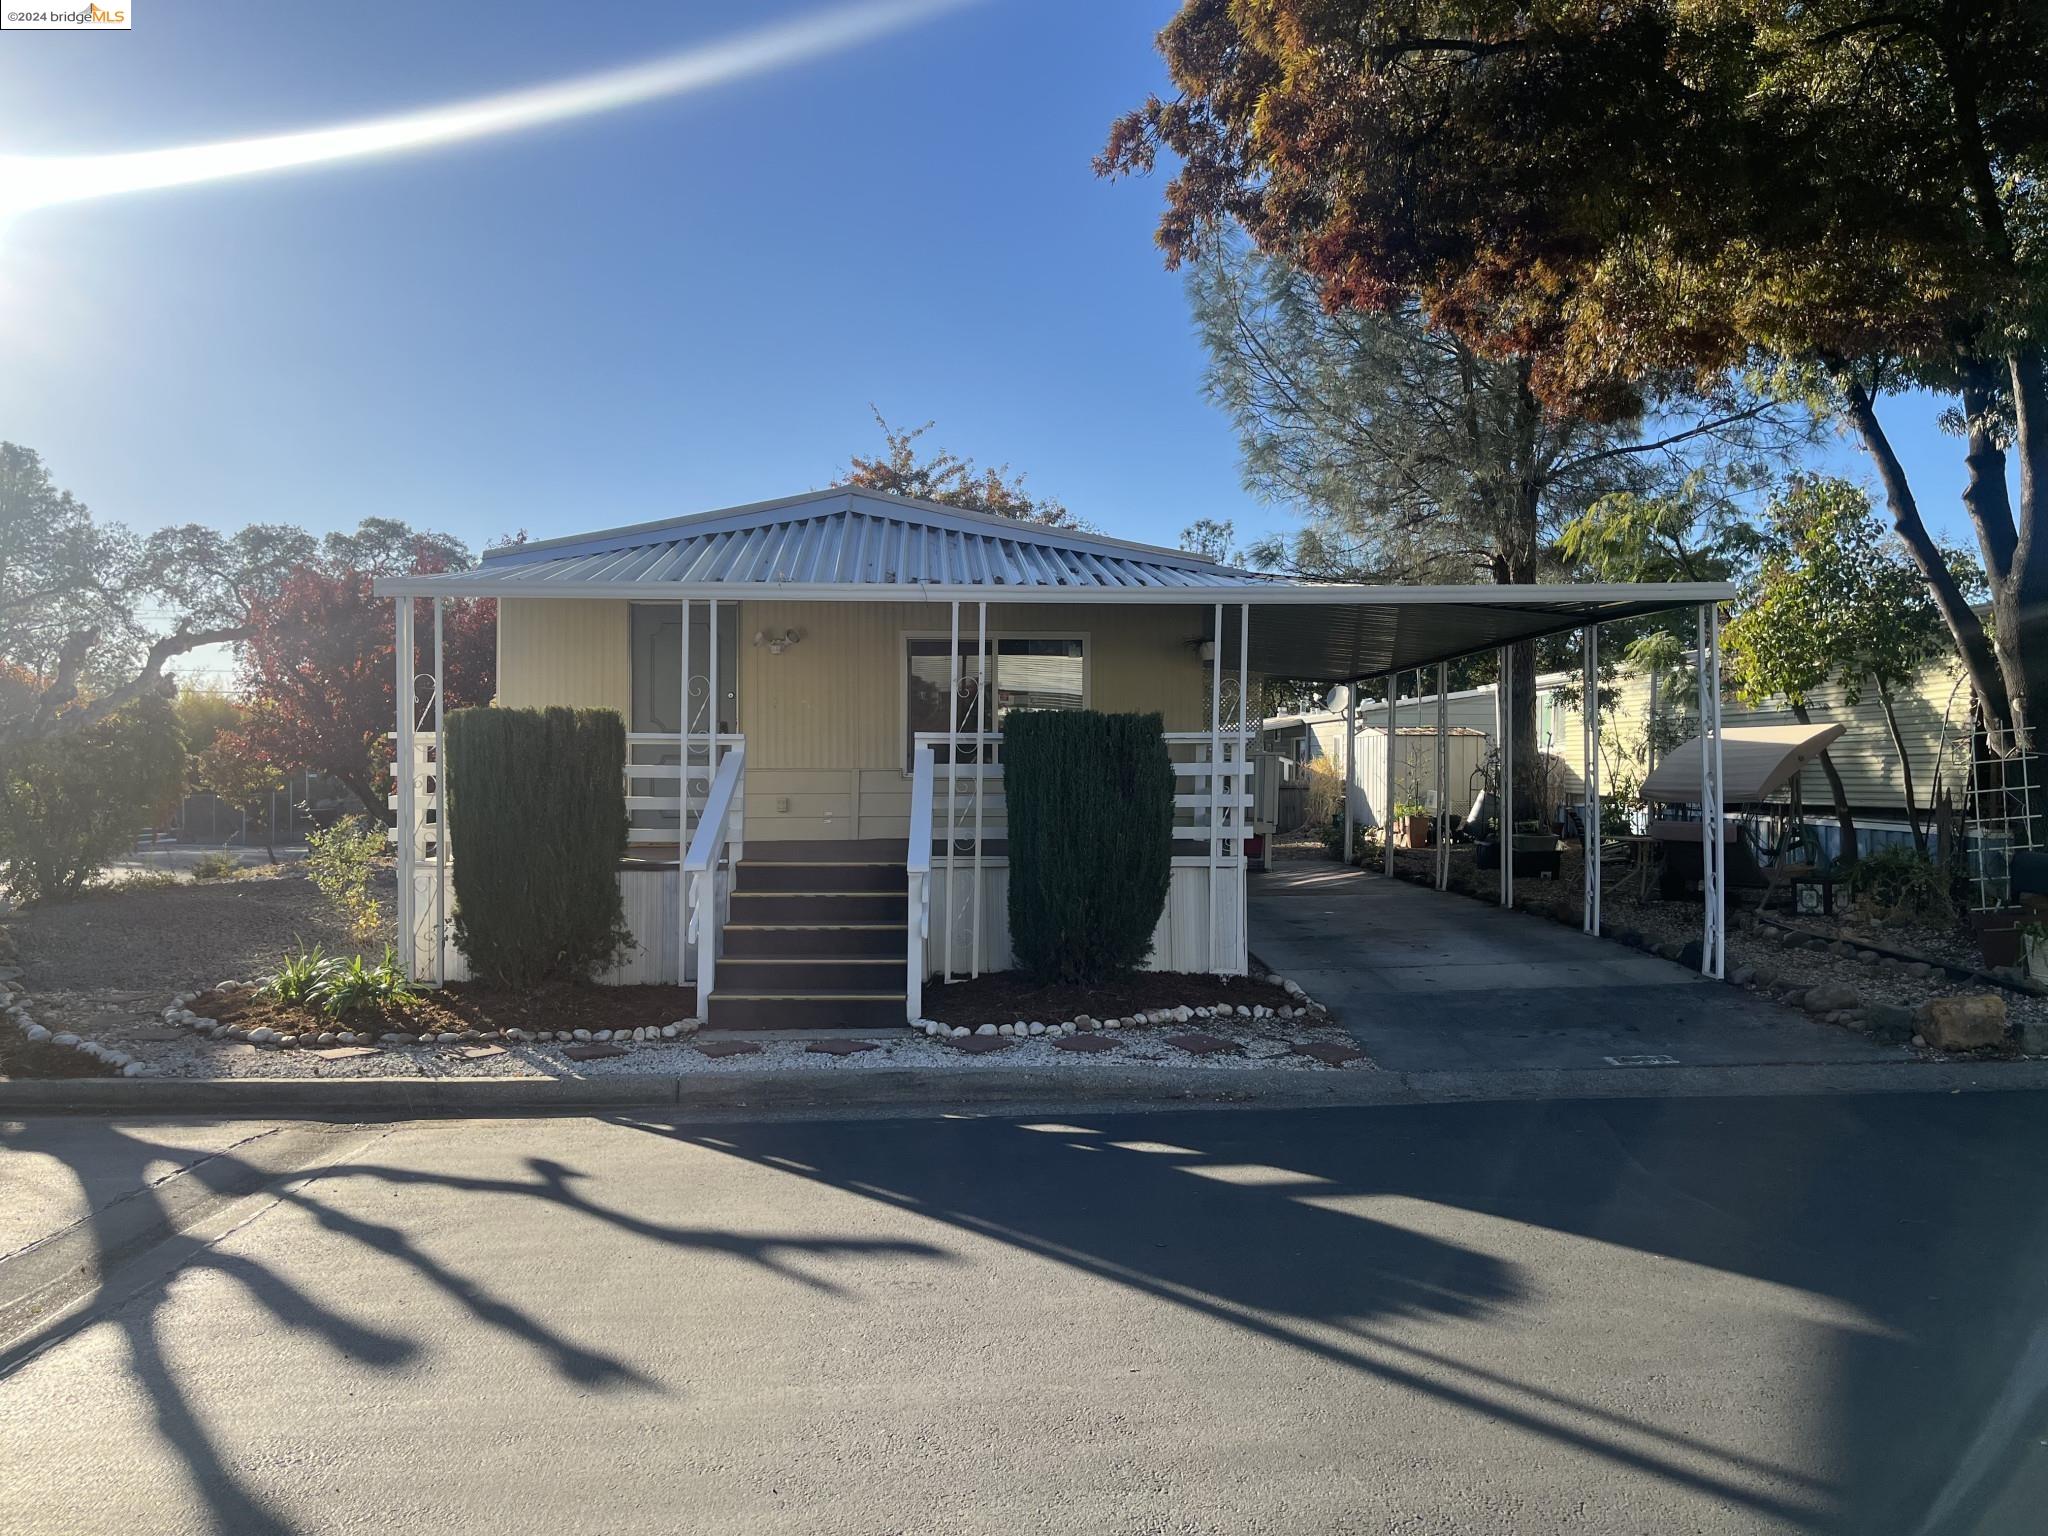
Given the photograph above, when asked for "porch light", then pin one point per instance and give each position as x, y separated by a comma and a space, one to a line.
777, 642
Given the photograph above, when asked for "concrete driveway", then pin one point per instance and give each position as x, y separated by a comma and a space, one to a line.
1434, 982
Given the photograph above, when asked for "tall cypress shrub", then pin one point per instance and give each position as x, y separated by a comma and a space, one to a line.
1090, 801
536, 829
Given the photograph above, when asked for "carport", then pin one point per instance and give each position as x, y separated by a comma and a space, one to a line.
1353, 635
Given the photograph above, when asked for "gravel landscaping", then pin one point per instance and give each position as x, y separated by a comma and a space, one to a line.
99, 972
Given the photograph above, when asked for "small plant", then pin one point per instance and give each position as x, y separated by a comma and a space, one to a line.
351, 986
298, 978
1897, 882
218, 864
145, 880
1406, 808
340, 861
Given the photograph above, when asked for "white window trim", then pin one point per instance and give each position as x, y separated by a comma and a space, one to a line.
943, 636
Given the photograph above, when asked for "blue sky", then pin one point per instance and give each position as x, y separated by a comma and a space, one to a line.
660, 310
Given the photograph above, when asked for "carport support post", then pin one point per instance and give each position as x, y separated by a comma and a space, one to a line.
1387, 809
1443, 777
1350, 760
1589, 746
1247, 808
1215, 778
1504, 813
952, 781
1713, 839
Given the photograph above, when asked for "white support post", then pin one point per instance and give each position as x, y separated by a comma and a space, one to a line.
440, 806
1387, 807
1713, 842
952, 779
980, 772
1350, 761
1589, 749
1215, 777
1504, 697
1239, 963
403, 782
683, 806
1443, 777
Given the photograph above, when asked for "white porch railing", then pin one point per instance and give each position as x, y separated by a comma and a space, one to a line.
719, 840
658, 811
960, 815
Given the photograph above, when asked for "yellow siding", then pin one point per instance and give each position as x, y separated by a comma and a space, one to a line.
824, 720
565, 651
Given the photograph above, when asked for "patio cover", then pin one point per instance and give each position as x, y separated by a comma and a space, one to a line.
853, 545
1756, 762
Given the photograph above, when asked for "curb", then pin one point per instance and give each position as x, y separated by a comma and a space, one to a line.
877, 1089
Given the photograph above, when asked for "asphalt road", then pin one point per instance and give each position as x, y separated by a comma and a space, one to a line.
1825, 1314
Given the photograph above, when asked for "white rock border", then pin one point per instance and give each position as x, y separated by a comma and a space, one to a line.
1304, 1007
179, 1014
16, 1009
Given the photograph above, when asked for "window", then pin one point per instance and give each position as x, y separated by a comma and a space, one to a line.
1024, 672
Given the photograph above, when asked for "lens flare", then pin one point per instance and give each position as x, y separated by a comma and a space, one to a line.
42, 181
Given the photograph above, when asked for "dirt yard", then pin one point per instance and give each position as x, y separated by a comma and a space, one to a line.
171, 939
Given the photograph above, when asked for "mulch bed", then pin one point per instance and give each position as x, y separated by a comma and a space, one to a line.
23, 1057
1003, 997
461, 1007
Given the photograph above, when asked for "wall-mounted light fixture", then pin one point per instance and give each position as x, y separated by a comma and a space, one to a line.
777, 641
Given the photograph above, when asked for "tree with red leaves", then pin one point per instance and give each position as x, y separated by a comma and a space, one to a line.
318, 667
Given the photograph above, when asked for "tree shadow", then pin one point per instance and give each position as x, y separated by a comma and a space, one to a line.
1924, 1229
122, 1160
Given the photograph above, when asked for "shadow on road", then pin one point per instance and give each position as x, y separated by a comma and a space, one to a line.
1929, 1218
125, 1163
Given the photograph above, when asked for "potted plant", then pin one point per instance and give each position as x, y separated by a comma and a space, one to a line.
2034, 944
1411, 824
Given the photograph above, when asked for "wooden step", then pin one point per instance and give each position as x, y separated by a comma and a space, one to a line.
821, 909
806, 940
864, 1010
826, 850
849, 875
815, 977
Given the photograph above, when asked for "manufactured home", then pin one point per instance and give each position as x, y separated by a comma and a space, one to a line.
814, 691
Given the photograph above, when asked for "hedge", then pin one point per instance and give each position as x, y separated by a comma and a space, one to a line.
536, 829
1090, 800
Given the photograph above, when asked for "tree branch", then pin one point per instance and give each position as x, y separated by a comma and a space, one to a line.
53, 715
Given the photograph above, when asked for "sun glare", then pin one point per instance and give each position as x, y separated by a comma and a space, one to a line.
40, 181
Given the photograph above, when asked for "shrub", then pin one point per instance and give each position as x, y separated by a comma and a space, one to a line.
216, 864
341, 861
1091, 840
536, 829
1899, 882
1324, 795
70, 804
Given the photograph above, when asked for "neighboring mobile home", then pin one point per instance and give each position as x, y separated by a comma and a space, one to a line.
791, 663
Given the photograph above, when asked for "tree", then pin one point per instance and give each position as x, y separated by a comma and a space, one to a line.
203, 713
1832, 599
71, 801
317, 670
233, 767
1852, 190
1411, 456
949, 478
73, 593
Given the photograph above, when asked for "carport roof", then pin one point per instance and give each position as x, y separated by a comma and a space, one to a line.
853, 545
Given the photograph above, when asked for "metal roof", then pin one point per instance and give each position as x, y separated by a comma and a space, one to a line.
852, 545
843, 538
